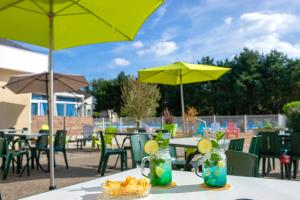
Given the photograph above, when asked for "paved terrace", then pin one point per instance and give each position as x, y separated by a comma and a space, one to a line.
83, 167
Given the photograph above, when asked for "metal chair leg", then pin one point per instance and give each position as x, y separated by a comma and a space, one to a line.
100, 163
104, 165
66, 161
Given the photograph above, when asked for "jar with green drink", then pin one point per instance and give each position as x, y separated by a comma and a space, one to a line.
159, 159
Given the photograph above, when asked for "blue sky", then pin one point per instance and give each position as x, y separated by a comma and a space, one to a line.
186, 30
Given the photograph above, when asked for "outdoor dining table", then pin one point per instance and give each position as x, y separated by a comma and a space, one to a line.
191, 142
25, 137
127, 137
188, 188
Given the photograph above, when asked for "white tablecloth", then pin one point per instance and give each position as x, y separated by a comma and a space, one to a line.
192, 142
187, 189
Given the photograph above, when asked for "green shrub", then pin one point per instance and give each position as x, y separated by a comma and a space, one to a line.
268, 124
292, 111
96, 114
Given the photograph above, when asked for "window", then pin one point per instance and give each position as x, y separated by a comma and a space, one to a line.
39, 97
68, 106
39, 104
65, 106
67, 99
34, 109
71, 111
60, 108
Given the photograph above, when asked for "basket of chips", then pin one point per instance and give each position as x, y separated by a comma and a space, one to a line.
131, 187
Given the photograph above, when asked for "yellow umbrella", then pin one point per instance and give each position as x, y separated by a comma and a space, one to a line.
58, 24
180, 73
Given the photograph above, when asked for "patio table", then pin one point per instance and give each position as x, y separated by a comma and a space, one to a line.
26, 137
191, 142
127, 137
188, 188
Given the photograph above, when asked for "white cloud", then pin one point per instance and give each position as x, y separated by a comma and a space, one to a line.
121, 62
267, 23
160, 48
261, 31
228, 20
270, 42
170, 33
138, 44
160, 14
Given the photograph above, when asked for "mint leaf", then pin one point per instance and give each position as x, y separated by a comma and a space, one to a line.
215, 144
219, 135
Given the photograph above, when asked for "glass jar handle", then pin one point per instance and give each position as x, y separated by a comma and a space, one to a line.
145, 159
199, 159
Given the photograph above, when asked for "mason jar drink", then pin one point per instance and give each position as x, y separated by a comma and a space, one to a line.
159, 161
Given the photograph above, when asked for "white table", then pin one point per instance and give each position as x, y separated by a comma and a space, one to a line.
192, 142
187, 189
26, 135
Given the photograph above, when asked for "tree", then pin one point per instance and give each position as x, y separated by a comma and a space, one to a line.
140, 100
108, 92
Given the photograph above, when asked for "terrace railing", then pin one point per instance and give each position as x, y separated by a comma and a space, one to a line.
246, 123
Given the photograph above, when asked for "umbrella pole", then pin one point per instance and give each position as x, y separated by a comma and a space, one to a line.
182, 104
51, 97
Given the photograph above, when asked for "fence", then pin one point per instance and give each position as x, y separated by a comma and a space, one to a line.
246, 123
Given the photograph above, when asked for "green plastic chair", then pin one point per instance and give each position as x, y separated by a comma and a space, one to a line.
270, 148
137, 143
41, 145
58, 146
106, 152
236, 144
241, 164
295, 151
177, 164
1, 151
255, 145
9, 156
171, 128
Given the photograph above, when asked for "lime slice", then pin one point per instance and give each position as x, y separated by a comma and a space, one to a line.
207, 172
217, 173
151, 147
221, 164
204, 146
159, 171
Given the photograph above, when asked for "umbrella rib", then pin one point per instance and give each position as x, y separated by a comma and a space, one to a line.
28, 10
10, 5
71, 14
10, 83
103, 20
26, 85
72, 79
40, 7
72, 89
72, 4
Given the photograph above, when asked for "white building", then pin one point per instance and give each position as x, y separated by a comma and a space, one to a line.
29, 110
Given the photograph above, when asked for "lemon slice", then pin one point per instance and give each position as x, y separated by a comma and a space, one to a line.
221, 164
204, 146
159, 171
151, 147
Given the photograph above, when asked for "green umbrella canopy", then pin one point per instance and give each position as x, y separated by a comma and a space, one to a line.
58, 24
75, 22
180, 73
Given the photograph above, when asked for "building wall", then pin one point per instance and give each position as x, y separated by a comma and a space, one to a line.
22, 60
14, 108
73, 125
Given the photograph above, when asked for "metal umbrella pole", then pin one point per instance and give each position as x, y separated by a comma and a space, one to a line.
182, 104
51, 96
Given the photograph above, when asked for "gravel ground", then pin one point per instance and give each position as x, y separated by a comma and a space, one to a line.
83, 167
